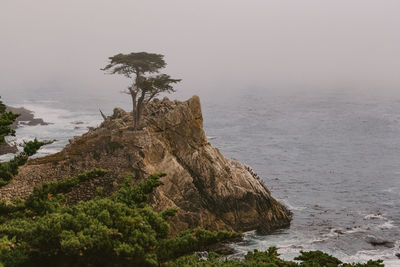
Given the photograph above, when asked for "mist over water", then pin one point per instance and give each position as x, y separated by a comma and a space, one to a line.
305, 92
216, 47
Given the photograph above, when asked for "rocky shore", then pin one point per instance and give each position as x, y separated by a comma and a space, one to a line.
207, 189
26, 118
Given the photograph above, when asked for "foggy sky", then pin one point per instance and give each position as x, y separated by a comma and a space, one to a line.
216, 46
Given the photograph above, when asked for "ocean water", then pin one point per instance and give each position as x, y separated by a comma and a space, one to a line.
332, 158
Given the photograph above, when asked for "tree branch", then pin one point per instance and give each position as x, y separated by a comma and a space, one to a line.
102, 114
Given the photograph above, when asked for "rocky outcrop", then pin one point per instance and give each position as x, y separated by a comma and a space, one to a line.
26, 117
7, 148
208, 189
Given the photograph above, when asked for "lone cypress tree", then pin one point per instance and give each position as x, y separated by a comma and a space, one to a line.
6, 119
144, 87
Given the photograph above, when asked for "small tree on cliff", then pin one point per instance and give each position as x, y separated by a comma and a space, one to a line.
144, 87
6, 119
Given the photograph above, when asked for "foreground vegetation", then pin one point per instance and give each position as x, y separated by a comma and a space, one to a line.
6, 120
117, 230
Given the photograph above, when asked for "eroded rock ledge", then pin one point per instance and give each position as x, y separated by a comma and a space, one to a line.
208, 189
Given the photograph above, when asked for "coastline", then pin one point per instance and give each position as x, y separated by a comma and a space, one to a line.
27, 117
231, 140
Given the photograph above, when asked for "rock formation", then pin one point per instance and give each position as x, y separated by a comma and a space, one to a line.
26, 118
7, 148
208, 189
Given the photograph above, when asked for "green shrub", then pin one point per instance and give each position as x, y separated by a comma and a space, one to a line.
120, 230
6, 119
192, 240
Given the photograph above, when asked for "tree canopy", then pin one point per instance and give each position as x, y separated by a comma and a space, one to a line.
135, 63
144, 87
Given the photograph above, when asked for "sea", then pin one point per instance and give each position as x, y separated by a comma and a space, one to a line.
331, 156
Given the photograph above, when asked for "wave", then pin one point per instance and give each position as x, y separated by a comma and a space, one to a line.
392, 190
64, 125
357, 229
6, 157
387, 225
374, 217
290, 206
387, 255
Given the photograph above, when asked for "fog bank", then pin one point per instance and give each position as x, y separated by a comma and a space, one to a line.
216, 47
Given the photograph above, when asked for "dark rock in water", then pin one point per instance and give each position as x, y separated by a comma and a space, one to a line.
376, 241
398, 255
222, 249
7, 148
26, 117
338, 231
207, 189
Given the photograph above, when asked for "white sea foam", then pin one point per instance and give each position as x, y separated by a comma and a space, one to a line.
355, 230
6, 157
389, 190
290, 206
61, 127
48, 114
387, 225
318, 240
332, 233
289, 246
374, 217
392, 190
387, 255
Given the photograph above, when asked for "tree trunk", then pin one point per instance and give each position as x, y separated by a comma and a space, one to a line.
134, 106
134, 102
139, 109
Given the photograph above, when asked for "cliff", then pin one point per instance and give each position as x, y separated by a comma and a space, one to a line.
208, 189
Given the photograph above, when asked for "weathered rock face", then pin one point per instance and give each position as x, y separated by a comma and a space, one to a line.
208, 189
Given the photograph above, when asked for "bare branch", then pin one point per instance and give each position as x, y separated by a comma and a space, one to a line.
102, 114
